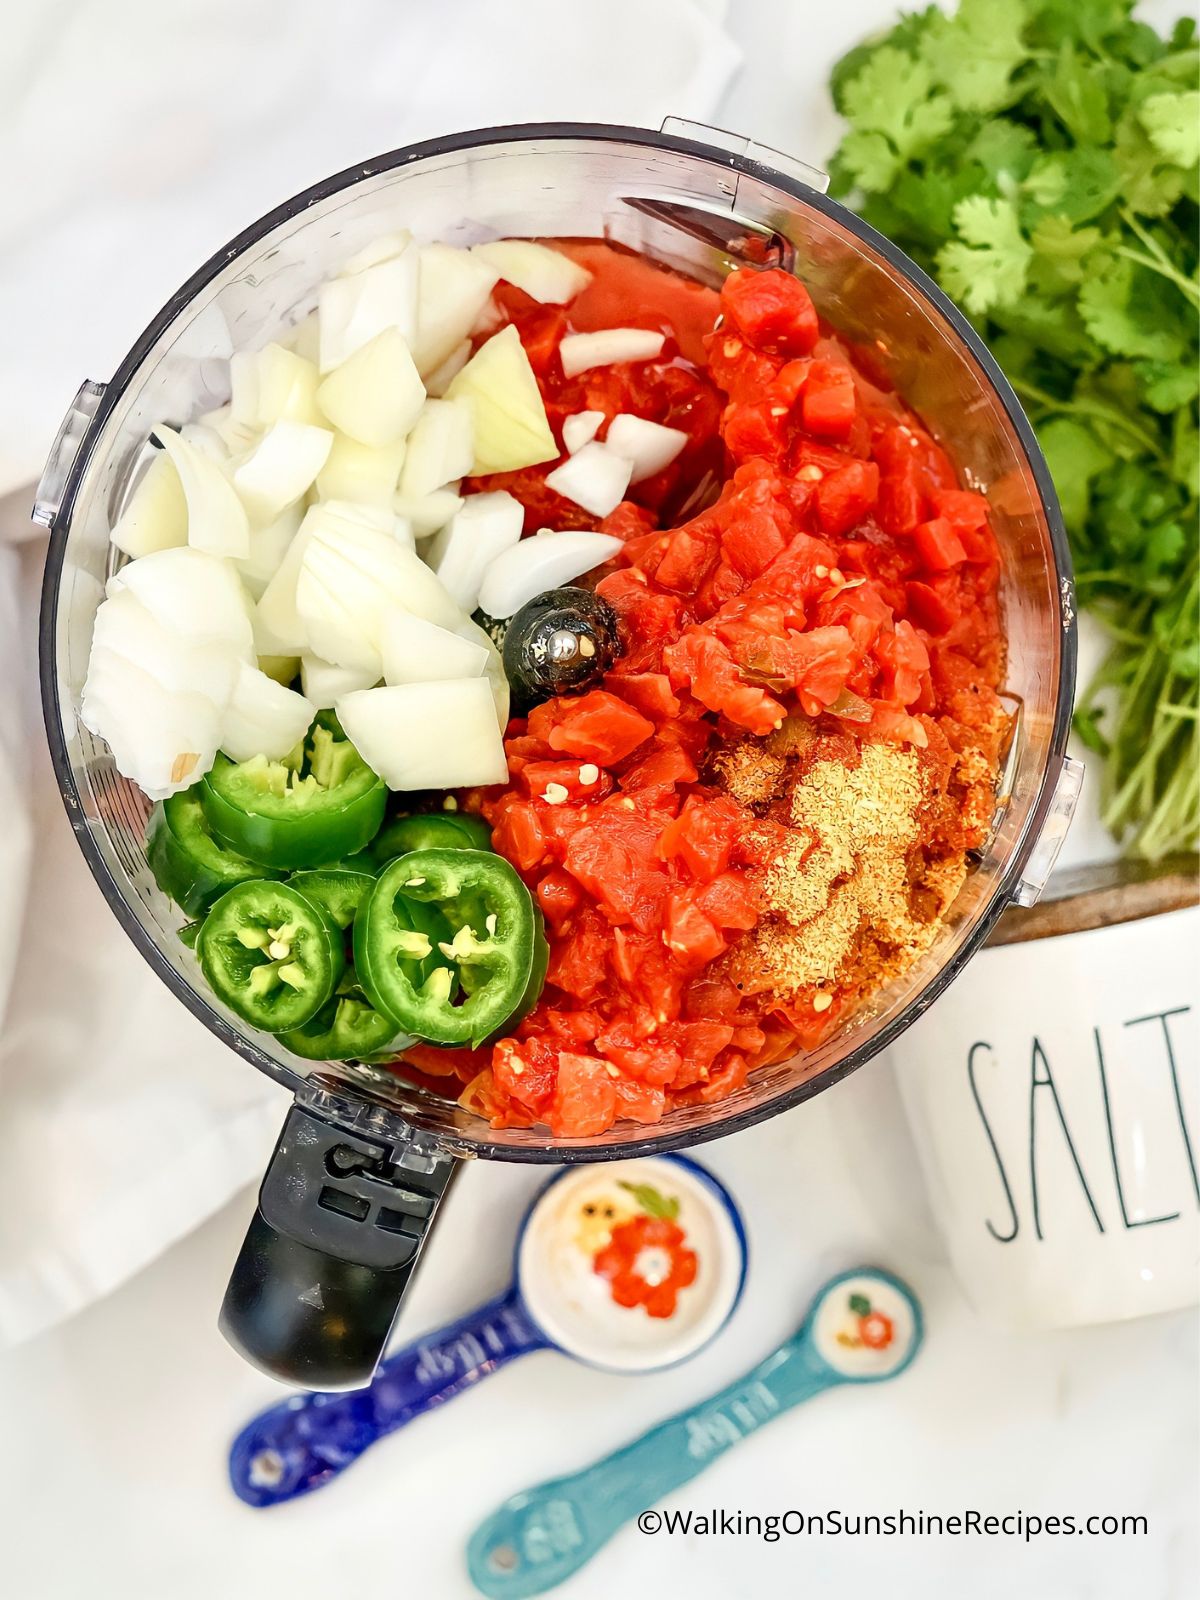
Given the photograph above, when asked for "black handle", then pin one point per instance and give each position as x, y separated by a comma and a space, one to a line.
341, 1219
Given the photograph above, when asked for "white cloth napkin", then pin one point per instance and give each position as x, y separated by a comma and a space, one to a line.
138, 138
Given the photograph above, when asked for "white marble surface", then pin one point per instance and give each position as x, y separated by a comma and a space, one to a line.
116, 1425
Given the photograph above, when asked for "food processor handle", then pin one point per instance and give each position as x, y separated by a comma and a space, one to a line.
539, 1537
301, 1443
341, 1218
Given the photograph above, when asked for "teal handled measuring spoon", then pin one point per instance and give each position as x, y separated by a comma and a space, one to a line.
865, 1326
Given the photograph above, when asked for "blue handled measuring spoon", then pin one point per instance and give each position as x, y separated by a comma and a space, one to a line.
557, 1301
865, 1326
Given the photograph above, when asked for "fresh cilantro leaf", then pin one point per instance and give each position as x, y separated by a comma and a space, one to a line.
974, 54
1040, 158
1005, 151
1123, 310
987, 265
1185, 453
1075, 456
893, 94
1173, 123
1149, 183
1078, 184
867, 161
1062, 251
1074, 88
1167, 386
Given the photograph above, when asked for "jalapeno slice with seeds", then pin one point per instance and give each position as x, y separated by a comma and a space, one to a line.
459, 989
273, 956
190, 864
323, 803
434, 830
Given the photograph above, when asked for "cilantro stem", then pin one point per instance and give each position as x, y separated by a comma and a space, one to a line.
1090, 408
1164, 269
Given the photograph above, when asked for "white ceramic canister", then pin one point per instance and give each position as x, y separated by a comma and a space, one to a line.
1054, 1099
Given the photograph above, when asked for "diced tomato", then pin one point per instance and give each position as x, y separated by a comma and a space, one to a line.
927, 608
772, 310
690, 935
703, 835
585, 1101
598, 727
939, 547
647, 692
517, 834
544, 778
559, 897
827, 401
843, 498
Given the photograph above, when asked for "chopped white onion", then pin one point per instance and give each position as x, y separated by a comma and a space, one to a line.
384, 248
263, 718
305, 338
454, 288
376, 394
494, 671
193, 594
177, 660
416, 651
433, 511
357, 308
427, 735
281, 467
355, 471
160, 739
273, 384
155, 515
206, 440
544, 562
350, 577
649, 445
540, 272
595, 478
487, 525
217, 521
440, 379
581, 351
268, 546
323, 683
236, 437
580, 428
511, 430
440, 448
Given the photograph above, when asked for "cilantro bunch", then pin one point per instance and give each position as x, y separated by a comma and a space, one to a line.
1040, 158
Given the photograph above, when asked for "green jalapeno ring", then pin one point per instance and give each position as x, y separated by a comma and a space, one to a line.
319, 805
190, 864
433, 830
341, 890
273, 956
346, 1028
487, 961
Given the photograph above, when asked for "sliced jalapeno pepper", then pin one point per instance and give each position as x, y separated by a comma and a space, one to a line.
190, 864
341, 890
433, 830
273, 956
346, 1028
481, 972
320, 805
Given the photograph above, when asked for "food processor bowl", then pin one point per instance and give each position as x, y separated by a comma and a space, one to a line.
364, 1156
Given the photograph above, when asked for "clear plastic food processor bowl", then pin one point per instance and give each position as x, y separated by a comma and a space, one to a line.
697, 200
